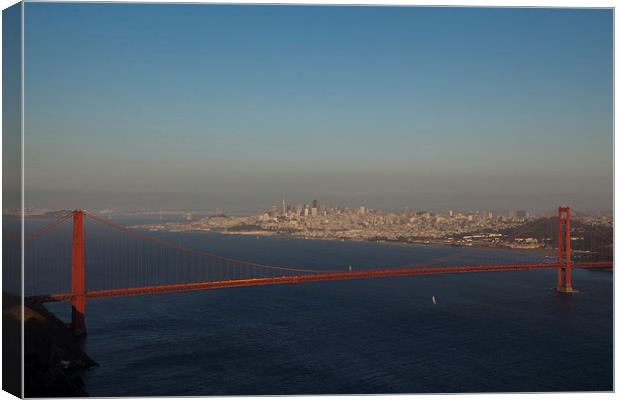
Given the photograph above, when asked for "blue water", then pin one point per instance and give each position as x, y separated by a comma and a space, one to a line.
488, 332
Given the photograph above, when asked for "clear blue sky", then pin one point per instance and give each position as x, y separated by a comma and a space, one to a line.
204, 106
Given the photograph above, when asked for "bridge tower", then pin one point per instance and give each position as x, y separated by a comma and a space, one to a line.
564, 284
78, 287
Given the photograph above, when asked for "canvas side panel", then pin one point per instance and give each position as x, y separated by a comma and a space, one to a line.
12, 200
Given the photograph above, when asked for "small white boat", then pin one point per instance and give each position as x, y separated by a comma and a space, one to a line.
350, 268
434, 301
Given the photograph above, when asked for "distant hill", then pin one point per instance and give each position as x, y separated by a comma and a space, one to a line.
51, 214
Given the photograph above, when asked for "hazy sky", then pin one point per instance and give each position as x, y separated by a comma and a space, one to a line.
204, 106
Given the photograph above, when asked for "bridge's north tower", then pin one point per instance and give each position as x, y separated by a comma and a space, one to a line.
78, 288
564, 284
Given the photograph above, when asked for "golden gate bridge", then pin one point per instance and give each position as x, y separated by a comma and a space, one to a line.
142, 264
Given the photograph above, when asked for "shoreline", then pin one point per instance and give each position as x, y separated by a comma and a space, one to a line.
420, 242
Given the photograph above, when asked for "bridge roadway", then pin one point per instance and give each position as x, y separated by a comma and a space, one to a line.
328, 276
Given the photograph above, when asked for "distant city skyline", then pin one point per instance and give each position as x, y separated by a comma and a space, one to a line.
146, 205
236, 107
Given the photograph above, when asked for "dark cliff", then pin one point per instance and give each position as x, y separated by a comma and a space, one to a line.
53, 357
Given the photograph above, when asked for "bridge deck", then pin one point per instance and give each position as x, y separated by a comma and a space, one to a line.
330, 276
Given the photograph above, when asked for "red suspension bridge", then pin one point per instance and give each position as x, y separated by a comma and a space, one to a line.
141, 264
